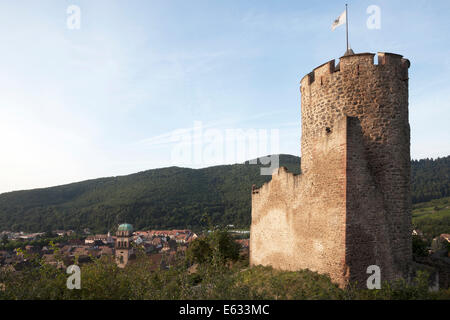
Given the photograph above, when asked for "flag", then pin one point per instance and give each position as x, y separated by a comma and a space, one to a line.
339, 21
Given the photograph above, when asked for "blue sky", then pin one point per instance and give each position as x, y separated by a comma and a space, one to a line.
105, 99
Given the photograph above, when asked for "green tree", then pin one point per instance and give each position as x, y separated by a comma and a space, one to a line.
218, 244
224, 244
419, 246
199, 251
5, 240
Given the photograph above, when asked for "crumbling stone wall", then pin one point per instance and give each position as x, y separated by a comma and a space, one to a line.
350, 207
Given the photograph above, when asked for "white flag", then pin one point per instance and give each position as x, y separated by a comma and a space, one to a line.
339, 21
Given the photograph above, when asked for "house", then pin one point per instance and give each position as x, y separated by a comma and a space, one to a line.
62, 233
103, 238
106, 251
67, 249
51, 260
157, 242
138, 240
75, 242
445, 237
148, 247
89, 240
30, 237
417, 232
161, 260
244, 243
192, 236
441, 242
79, 251
143, 234
165, 247
84, 254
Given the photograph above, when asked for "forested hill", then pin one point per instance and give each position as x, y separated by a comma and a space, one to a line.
159, 198
430, 179
169, 197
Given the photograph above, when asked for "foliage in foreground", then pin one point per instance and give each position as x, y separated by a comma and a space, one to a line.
103, 280
223, 275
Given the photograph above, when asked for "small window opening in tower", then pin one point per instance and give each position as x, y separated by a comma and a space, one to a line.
328, 130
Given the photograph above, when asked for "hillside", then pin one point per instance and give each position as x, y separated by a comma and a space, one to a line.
433, 217
169, 197
430, 179
159, 198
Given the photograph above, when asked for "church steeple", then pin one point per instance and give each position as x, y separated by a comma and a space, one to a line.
123, 244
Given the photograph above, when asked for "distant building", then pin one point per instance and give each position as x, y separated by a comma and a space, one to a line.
245, 243
75, 242
180, 236
445, 237
439, 243
138, 240
62, 233
103, 238
106, 251
30, 236
123, 246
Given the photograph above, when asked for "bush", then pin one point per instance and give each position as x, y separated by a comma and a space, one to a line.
214, 278
218, 246
419, 246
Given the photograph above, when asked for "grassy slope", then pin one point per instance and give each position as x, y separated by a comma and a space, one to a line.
433, 217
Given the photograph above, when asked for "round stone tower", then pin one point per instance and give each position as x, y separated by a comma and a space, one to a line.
350, 208
377, 95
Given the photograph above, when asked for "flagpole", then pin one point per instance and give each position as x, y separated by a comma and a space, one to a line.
346, 24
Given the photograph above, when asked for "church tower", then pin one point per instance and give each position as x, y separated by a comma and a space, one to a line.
123, 244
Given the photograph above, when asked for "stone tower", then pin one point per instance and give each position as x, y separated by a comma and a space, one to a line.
123, 249
350, 207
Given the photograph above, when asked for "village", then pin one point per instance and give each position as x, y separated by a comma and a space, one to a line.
62, 248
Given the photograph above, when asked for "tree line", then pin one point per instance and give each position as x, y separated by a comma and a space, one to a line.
171, 197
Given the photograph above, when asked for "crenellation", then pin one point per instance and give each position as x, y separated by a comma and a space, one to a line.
355, 64
351, 62
386, 58
323, 72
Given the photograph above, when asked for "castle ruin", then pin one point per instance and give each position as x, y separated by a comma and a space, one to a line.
350, 207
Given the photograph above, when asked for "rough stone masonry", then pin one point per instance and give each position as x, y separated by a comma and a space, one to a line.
350, 207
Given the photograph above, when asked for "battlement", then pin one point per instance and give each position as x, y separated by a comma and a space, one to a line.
281, 174
361, 61
386, 58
